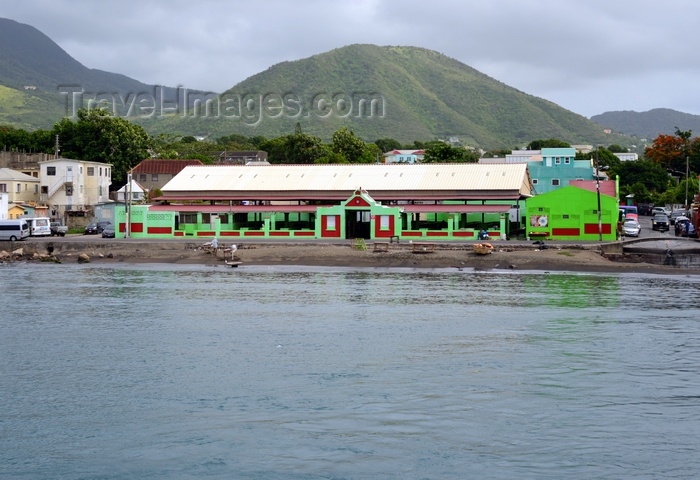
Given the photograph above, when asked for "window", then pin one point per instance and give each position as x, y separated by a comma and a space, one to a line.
190, 218
142, 177
555, 182
81, 169
384, 222
36, 189
3, 187
534, 181
69, 191
100, 171
154, 177
330, 222
19, 188
557, 161
567, 160
91, 171
51, 171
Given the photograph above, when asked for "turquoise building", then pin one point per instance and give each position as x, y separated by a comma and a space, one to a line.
554, 168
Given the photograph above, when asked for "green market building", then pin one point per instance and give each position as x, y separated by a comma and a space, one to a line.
423, 202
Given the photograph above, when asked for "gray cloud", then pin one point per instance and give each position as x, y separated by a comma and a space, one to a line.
587, 56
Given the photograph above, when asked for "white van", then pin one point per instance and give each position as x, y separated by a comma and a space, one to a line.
39, 226
14, 229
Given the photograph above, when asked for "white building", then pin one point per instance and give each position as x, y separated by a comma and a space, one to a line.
627, 156
3, 206
73, 185
404, 156
138, 193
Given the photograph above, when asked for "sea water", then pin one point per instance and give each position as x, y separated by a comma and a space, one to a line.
162, 371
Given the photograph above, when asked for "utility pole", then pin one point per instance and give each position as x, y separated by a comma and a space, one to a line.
597, 186
686, 183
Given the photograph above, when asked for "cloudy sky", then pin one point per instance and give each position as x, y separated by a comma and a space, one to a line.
589, 56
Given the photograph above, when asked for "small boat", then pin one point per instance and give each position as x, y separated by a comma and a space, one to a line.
483, 248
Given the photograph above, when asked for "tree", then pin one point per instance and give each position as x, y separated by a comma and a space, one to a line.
615, 148
301, 148
645, 179
98, 137
387, 144
440, 152
549, 143
351, 147
12, 138
275, 148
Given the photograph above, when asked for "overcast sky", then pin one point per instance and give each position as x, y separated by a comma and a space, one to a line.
589, 56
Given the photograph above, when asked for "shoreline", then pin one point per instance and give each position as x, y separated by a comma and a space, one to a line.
527, 257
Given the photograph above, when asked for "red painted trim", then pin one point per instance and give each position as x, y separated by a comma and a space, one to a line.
160, 230
304, 234
279, 234
324, 227
407, 233
137, 228
463, 234
179, 234
436, 234
379, 233
357, 202
230, 234
206, 234
569, 232
592, 228
253, 234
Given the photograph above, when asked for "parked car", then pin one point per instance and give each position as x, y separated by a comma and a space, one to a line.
644, 209
58, 230
690, 232
108, 231
631, 228
90, 229
661, 210
101, 226
675, 214
660, 222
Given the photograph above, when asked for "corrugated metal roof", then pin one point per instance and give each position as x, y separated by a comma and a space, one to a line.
7, 174
457, 177
162, 165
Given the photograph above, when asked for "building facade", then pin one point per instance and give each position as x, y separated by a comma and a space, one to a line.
154, 173
413, 202
404, 156
73, 187
19, 187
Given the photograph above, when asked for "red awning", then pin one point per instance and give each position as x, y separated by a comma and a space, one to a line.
234, 208
455, 208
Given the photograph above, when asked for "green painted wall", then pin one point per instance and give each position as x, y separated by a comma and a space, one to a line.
571, 213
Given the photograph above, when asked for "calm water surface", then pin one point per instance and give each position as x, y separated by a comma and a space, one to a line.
160, 371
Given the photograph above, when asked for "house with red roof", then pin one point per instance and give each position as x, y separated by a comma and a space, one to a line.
154, 173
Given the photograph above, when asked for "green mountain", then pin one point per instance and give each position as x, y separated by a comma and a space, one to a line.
405, 93
34, 71
649, 124
418, 94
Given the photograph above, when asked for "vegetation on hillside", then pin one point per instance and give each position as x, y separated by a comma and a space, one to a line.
648, 124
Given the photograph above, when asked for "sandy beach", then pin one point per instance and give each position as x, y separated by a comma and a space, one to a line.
524, 256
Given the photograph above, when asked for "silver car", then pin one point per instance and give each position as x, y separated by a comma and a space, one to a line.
631, 228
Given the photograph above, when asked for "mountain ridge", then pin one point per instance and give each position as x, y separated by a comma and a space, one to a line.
420, 94
648, 124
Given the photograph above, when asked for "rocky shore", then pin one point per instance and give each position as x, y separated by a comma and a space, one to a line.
527, 256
